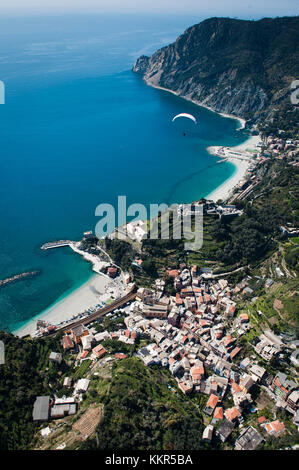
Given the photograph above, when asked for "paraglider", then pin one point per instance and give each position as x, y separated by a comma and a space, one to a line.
186, 115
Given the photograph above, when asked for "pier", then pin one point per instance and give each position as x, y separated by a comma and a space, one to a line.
57, 244
17, 277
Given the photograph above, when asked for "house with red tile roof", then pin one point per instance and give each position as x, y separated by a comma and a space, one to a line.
231, 309
178, 299
173, 273
198, 369
228, 341
120, 356
234, 352
211, 404
84, 354
261, 420
275, 427
244, 318
186, 387
218, 413
232, 414
235, 387
67, 342
99, 350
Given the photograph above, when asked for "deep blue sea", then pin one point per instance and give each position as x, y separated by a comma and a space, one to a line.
78, 129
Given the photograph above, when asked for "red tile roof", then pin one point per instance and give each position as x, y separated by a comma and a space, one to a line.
212, 401
228, 340
99, 350
276, 426
244, 317
184, 387
234, 352
218, 414
84, 354
262, 419
173, 273
196, 372
232, 413
67, 342
236, 387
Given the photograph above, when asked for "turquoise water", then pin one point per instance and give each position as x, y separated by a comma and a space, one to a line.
78, 129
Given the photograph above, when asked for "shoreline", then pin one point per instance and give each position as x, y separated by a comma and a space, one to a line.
75, 302
91, 292
198, 103
86, 296
241, 165
242, 162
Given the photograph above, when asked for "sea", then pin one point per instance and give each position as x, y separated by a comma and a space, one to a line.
79, 128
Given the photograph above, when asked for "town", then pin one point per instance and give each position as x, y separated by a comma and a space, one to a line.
195, 334
200, 333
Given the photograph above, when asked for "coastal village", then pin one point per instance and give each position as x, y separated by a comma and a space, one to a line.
196, 334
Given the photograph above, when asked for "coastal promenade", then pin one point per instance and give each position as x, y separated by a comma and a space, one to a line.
99, 313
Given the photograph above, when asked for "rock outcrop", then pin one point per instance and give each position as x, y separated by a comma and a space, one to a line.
233, 66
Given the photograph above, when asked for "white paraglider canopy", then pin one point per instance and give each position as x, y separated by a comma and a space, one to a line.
186, 115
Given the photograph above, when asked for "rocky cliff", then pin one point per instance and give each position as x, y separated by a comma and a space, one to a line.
237, 67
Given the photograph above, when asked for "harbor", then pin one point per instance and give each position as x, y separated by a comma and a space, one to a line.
57, 244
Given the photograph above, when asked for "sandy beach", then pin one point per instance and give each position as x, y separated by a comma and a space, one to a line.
242, 162
86, 296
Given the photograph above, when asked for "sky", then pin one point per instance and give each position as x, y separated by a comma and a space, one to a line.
205, 8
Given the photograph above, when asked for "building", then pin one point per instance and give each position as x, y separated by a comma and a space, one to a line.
173, 318
63, 407
41, 408
82, 386
186, 386
155, 311
211, 404
225, 430
67, 382
112, 272
87, 342
232, 414
282, 386
99, 351
77, 332
55, 357
208, 433
218, 414
274, 428
257, 372
67, 343
293, 400
249, 439
246, 383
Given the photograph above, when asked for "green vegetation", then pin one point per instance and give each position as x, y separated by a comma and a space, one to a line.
80, 372
120, 251
25, 374
142, 413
